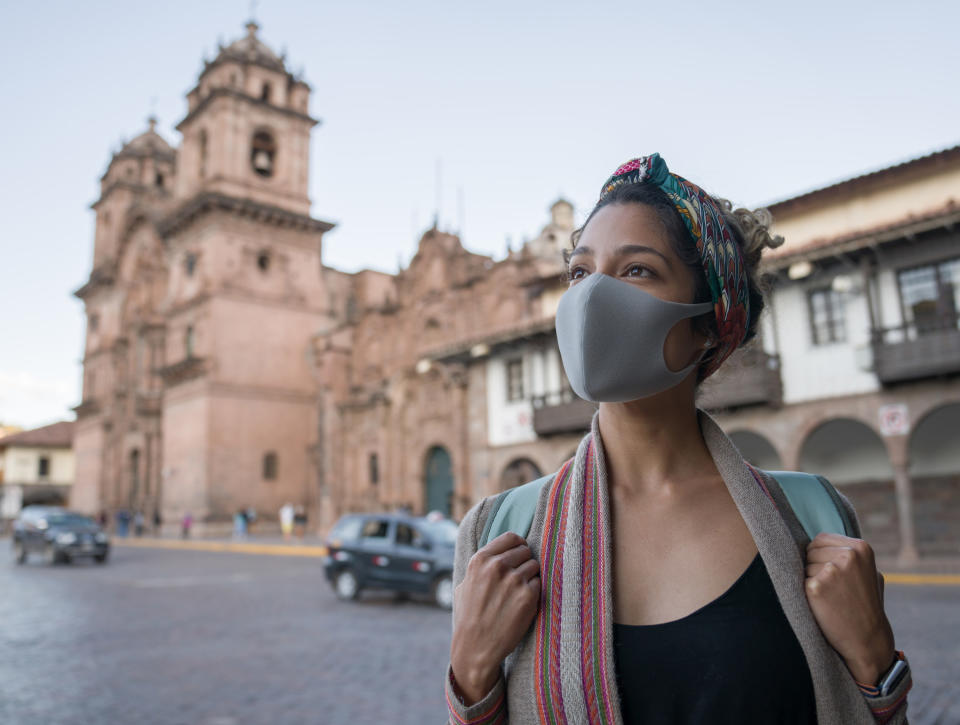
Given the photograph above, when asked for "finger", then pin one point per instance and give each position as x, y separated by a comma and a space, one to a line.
881, 582
830, 553
529, 569
813, 569
826, 540
516, 556
502, 543
534, 584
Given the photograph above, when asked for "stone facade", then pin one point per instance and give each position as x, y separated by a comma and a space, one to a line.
207, 287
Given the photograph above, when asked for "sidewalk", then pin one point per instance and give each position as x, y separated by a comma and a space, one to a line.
270, 545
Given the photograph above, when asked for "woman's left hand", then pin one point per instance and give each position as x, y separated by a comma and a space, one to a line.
845, 593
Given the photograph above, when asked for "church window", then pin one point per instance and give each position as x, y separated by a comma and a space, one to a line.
188, 341
43, 467
159, 180
263, 152
203, 153
263, 261
93, 322
265, 93
270, 466
374, 469
190, 263
233, 80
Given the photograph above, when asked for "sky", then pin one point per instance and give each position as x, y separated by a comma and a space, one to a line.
482, 114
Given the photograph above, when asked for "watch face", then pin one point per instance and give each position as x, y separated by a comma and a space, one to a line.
890, 681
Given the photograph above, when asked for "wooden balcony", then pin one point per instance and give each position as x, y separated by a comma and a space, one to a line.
561, 412
912, 352
748, 377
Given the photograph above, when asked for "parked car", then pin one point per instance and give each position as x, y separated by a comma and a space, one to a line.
58, 534
396, 552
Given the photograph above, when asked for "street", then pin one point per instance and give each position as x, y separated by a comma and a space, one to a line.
198, 638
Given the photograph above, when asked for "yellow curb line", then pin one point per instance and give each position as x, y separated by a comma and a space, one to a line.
319, 551
229, 546
916, 579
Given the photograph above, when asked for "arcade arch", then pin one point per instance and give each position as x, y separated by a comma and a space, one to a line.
518, 472
852, 456
934, 471
757, 450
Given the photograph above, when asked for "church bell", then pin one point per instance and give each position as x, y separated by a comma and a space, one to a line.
261, 160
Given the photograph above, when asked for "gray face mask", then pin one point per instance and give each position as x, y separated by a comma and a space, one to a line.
611, 336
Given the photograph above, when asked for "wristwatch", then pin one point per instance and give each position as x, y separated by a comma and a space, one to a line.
889, 680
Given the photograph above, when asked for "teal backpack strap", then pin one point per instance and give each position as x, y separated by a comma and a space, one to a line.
513, 510
815, 502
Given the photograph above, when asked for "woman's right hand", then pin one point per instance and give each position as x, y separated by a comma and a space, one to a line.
493, 608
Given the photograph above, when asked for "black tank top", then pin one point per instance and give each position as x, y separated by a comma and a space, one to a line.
735, 660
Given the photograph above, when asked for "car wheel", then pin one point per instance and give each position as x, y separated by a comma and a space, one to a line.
19, 552
443, 592
101, 558
347, 585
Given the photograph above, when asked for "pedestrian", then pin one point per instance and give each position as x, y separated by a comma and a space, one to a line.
300, 521
240, 524
157, 521
251, 518
663, 579
185, 525
286, 520
123, 522
103, 519
138, 523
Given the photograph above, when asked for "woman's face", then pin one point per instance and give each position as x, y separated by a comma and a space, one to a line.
630, 243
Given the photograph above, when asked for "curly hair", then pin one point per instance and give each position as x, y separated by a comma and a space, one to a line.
750, 229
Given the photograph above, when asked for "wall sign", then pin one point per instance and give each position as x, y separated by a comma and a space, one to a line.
894, 419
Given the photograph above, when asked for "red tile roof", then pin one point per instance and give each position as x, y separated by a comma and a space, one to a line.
930, 162
56, 435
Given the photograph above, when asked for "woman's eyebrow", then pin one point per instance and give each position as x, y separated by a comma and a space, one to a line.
627, 249
579, 250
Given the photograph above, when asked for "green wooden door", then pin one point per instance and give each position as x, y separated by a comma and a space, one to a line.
439, 481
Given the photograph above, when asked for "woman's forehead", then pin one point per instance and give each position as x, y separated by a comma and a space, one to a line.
618, 226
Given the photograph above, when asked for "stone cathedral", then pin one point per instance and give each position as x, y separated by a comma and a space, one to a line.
206, 259
226, 367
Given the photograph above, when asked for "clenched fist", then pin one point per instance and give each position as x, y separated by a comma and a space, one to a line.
845, 593
493, 608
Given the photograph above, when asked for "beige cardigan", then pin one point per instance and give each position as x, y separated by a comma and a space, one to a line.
781, 542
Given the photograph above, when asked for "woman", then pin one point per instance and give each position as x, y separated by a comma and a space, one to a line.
664, 580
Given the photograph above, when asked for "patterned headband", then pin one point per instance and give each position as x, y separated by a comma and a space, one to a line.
719, 252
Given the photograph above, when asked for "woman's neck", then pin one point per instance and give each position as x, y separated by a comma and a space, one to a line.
654, 446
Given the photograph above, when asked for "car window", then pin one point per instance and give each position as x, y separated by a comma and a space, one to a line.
444, 531
375, 529
347, 529
409, 535
59, 519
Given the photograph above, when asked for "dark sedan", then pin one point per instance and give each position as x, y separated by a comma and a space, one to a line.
59, 535
396, 552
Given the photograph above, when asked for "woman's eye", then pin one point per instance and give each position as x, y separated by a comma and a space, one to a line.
637, 270
577, 273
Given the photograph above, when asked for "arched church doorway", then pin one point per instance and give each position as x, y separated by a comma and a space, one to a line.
853, 457
757, 450
438, 481
518, 472
935, 477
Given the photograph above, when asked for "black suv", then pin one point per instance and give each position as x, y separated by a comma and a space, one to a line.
59, 535
398, 552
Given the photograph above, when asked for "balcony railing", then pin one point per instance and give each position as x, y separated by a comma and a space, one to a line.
922, 349
749, 377
561, 412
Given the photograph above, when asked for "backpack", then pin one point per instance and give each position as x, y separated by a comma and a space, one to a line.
814, 501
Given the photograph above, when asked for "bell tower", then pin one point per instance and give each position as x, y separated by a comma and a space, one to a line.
247, 129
